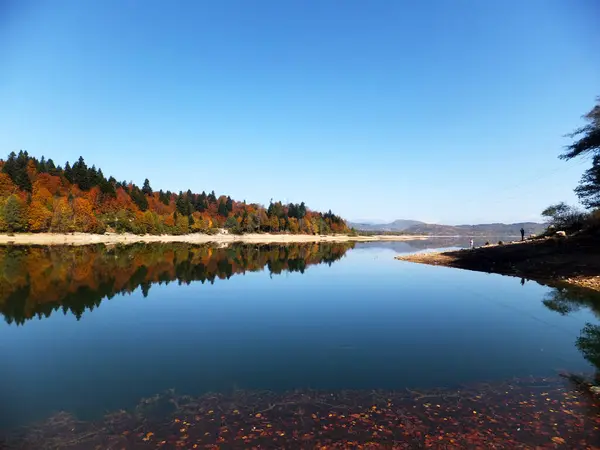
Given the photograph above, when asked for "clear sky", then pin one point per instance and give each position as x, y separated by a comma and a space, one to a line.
449, 111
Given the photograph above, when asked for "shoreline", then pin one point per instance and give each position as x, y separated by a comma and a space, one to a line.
571, 261
196, 238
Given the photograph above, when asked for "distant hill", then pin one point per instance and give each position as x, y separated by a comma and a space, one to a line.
488, 229
396, 225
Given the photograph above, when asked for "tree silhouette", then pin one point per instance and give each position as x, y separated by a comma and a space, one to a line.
588, 143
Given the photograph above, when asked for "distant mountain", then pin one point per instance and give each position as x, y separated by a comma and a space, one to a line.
396, 225
488, 229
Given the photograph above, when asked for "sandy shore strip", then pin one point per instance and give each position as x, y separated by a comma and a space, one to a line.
574, 261
196, 238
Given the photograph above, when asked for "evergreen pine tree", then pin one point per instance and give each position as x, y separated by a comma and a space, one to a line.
13, 214
92, 177
41, 167
212, 198
52, 169
81, 175
223, 209
23, 180
182, 205
68, 172
10, 166
146, 189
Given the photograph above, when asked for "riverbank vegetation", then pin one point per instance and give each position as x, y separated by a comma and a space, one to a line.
39, 196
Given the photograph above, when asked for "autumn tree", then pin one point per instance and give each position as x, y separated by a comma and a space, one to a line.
264, 224
50, 182
81, 198
7, 186
182, 224
62, 216
83, 215
294, 228
274, 223
39, 216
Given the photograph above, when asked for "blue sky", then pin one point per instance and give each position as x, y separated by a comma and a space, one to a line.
447, 111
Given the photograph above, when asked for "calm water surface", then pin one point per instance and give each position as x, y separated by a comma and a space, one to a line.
90, 330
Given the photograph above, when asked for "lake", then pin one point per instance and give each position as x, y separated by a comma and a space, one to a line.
90, 330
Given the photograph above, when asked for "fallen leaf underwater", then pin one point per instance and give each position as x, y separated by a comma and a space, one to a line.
532, 413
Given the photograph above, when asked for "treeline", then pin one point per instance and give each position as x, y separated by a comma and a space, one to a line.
37, 281
39, 196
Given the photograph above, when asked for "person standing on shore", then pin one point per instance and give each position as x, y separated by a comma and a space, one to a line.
472, 246
522, 234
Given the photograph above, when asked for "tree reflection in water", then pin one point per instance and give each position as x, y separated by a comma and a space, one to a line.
569, 300
37, 281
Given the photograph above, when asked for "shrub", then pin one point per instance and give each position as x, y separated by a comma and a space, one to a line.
565, 217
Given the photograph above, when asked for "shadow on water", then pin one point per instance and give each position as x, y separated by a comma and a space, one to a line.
38, 281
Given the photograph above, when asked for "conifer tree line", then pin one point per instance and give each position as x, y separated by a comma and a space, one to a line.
36, 195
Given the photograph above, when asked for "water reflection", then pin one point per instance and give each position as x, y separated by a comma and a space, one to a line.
37, 281
431, 243
567, 301
380, 341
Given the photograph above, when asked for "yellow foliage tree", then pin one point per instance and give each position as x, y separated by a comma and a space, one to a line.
62, 216
84, 217
182, 224
42, 196
294, 228
39, 217
7, 187
274, 223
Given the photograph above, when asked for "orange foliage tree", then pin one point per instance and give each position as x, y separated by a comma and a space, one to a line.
79, 198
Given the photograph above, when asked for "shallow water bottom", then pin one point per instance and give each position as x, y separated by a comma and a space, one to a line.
520, 413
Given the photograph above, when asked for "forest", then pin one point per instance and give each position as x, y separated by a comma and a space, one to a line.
37, 281
38, 196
